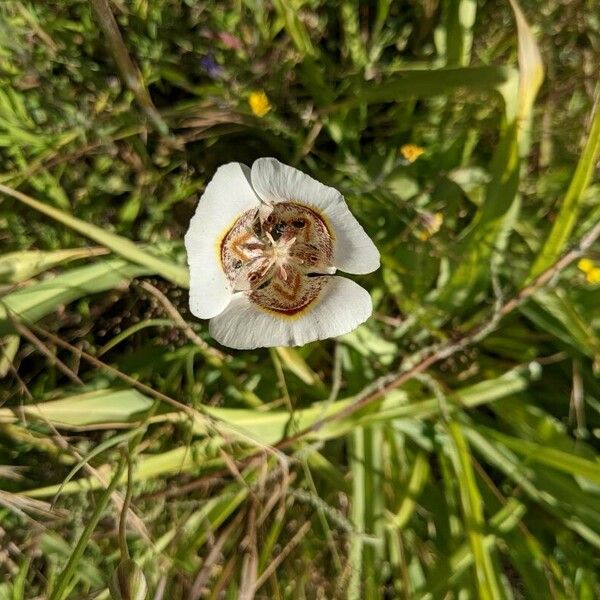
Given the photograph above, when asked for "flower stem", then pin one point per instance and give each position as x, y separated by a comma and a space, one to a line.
130, 73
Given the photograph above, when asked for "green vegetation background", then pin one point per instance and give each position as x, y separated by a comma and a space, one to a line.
471, 466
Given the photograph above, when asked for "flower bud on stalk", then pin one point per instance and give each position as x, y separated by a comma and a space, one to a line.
128, 582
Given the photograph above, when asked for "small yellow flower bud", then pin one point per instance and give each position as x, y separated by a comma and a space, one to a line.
411, 152
259, 103
128, 582
593, 276
585, 265
431, 224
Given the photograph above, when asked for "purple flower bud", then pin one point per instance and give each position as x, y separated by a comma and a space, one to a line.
213, 69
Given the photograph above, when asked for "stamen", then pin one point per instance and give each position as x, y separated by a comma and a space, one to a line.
283, 272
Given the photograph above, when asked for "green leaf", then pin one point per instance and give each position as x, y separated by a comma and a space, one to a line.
483, 244
40, 299
295, 28
571, 206
19, 266
64, 579
567, 462
487, 578
90, 408
118, 244
424, 83
416, 483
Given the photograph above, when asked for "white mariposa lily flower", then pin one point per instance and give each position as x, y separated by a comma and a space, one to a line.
263, 248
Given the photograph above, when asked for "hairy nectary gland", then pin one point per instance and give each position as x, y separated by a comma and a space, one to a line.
280, 255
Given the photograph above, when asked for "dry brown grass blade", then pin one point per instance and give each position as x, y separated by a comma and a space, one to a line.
274, 564
130, 73
229, 533
43, 349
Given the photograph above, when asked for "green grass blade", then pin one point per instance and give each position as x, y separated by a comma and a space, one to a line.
416, 483
483, 245
64, 579
105, 445
355, 45
567, 462
424, 83
486, 576
460, 18
19, 266
356, 445
295, 28
40, 299
118, 244
570, 208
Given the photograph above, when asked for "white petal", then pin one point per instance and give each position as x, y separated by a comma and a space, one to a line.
354, 252
341, 307
227, 195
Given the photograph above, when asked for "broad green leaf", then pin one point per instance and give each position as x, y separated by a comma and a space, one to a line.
128, 406
90, 408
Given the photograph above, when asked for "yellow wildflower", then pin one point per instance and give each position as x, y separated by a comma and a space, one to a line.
585, 265
593, 276
431, 224
411, 152
259, 103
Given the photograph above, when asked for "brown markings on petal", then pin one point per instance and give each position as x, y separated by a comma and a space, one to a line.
296, 295
271, 258
291, 288
240, 245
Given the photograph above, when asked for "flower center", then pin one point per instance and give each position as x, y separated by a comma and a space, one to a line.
279, 255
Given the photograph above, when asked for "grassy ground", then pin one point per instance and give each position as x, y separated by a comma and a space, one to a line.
449, 448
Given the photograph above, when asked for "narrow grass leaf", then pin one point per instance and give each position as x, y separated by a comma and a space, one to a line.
19, 266
424, 83
40, 299
484, 242
566, 462
570, 208
64, 580
118, 244
418, 478
487, 578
